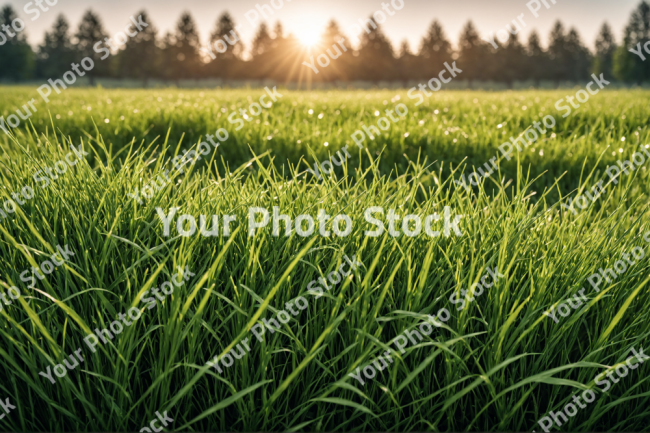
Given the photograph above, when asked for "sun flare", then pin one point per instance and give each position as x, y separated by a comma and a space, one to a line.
308, 36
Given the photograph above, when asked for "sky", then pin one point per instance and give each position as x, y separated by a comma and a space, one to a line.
307, 18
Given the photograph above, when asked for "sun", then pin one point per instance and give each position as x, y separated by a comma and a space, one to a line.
308, 36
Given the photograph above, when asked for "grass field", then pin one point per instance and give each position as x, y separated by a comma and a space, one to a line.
499, 364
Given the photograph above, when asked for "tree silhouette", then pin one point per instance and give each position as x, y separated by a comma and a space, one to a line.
536, 62
332, 35
342, 63
559, 56
407, 64
91, 32
435, 50
628, 66
278, 56
228, 63
511, 60
56, 53
275, 59
225, 30
579, 57
404, 50
262, 41
187, 62
279, 41
141, 57
375, 60
16, 54
472, 55
168, 57
605, 49
261, 54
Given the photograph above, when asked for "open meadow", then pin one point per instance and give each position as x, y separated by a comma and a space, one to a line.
519, 286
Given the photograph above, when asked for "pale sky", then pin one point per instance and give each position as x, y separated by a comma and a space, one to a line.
305, 17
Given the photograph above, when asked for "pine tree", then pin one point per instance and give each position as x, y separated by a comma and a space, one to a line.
559, 56
404, 50
226, 64
341, 67
187, 63
16, 54
286, 55
579, 57
472, 58
376, 60
511, 59
278, 31
56, 54
279, 46
628, 66
262, 41
332, 35
536, 62
168, 57
141, 56
225, 30
605, 48
91, 32
435, 50
407, 64
261, 63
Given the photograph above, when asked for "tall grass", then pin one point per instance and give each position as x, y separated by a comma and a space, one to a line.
499, 364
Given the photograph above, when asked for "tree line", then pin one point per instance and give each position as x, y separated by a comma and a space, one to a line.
178, 54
